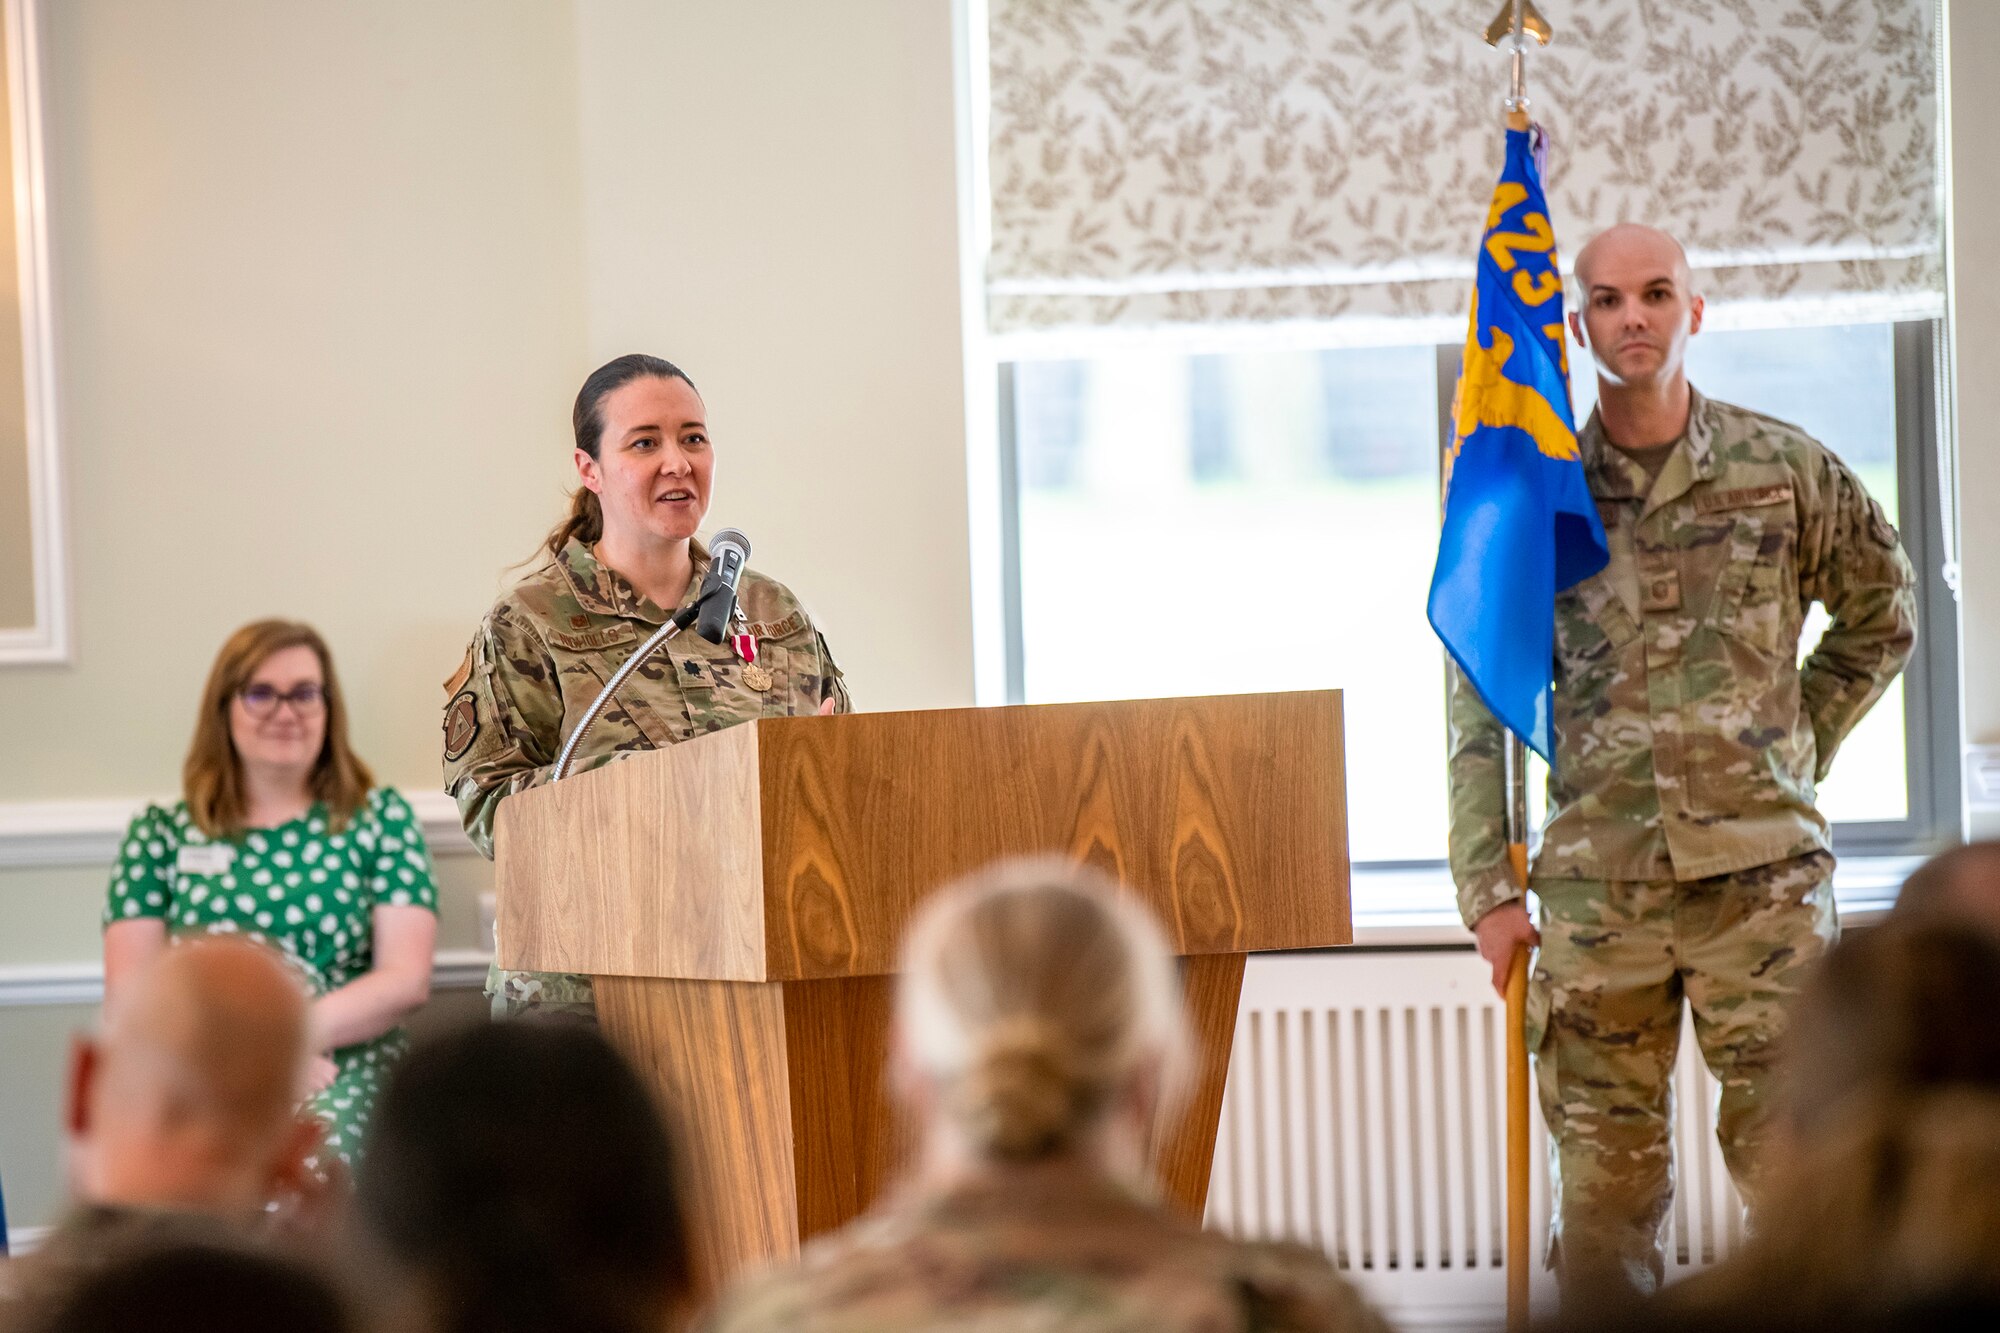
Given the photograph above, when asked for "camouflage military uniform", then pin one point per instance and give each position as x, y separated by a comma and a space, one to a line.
1682, 854
1040, 1247
541, 656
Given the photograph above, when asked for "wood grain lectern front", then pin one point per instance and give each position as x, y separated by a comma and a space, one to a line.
740, 899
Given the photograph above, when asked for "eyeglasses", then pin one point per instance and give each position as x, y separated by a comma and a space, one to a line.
262, 700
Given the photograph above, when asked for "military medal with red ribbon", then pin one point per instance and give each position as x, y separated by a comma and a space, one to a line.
756, 677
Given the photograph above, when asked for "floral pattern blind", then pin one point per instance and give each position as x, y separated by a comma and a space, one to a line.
1156, 163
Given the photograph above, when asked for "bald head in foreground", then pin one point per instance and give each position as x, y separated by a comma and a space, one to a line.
185, 1100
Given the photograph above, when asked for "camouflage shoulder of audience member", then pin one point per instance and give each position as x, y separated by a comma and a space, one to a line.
1289, 1287
874, 1277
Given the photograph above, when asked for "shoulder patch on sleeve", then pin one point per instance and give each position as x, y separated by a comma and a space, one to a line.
1879, 526
457, 679
461, 725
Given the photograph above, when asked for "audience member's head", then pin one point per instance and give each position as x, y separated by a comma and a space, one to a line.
1900, 1013
520, 1177
167, 1277
1038, 1013
186, 1097
1892, 1102
1885, 1179
194, 1283
1963, 884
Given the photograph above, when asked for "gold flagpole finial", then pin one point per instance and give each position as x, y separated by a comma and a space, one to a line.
1532, 24
1517, 21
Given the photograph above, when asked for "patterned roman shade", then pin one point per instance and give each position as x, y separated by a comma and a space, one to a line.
1162, 163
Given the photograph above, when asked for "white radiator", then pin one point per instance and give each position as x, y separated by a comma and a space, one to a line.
1364, 1116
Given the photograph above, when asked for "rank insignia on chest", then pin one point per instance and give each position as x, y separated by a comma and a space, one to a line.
1661, 591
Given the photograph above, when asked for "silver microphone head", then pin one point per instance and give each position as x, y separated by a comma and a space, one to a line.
728, 553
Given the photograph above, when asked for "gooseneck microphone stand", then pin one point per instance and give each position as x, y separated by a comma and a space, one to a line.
677, 622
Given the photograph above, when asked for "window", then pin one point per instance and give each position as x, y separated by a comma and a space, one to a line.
1254, 521
1267, 520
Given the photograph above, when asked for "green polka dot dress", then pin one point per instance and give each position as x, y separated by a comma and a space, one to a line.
303, 890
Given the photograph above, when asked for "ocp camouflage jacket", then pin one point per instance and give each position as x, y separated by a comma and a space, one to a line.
548, 646
1688, 738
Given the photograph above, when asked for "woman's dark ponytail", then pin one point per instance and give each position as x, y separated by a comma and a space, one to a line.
585, 523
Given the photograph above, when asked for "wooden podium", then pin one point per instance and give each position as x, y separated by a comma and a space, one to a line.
740, 900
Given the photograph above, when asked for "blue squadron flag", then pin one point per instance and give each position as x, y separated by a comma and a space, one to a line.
1519, 523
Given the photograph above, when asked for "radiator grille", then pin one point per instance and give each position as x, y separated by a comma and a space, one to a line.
1364, 1116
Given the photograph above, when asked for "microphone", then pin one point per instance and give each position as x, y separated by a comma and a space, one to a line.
728, 552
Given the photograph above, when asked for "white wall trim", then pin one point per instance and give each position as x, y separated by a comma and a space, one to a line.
86, 833
1982, 779
49, 638
1412, 908
23, 1240
31, 984
1393, 909
38, 984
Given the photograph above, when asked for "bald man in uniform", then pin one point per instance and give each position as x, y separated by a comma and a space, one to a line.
183, 1110
1682, 858
187, 1098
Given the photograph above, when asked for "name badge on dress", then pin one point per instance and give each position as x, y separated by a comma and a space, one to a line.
208, 859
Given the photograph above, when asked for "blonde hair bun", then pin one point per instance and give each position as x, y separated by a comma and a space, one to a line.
1023, 1093
1032, 996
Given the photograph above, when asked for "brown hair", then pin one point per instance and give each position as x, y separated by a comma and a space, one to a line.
1032, 995
212, 777
585, 520
1884, 1184
1963, 882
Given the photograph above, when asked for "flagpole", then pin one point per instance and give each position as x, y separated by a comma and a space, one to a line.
1518, 1259
1516, 21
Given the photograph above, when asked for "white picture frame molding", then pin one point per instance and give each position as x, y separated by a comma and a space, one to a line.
49, 639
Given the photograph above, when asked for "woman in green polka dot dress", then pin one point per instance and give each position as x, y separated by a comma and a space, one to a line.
284, 838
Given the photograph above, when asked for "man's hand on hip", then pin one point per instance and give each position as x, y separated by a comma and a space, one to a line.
1499, 933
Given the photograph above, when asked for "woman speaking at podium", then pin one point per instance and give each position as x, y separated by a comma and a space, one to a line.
626, 553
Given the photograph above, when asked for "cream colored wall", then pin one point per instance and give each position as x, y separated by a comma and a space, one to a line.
34, 1041
318, 282
770, 200
1974, 34
317, 274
